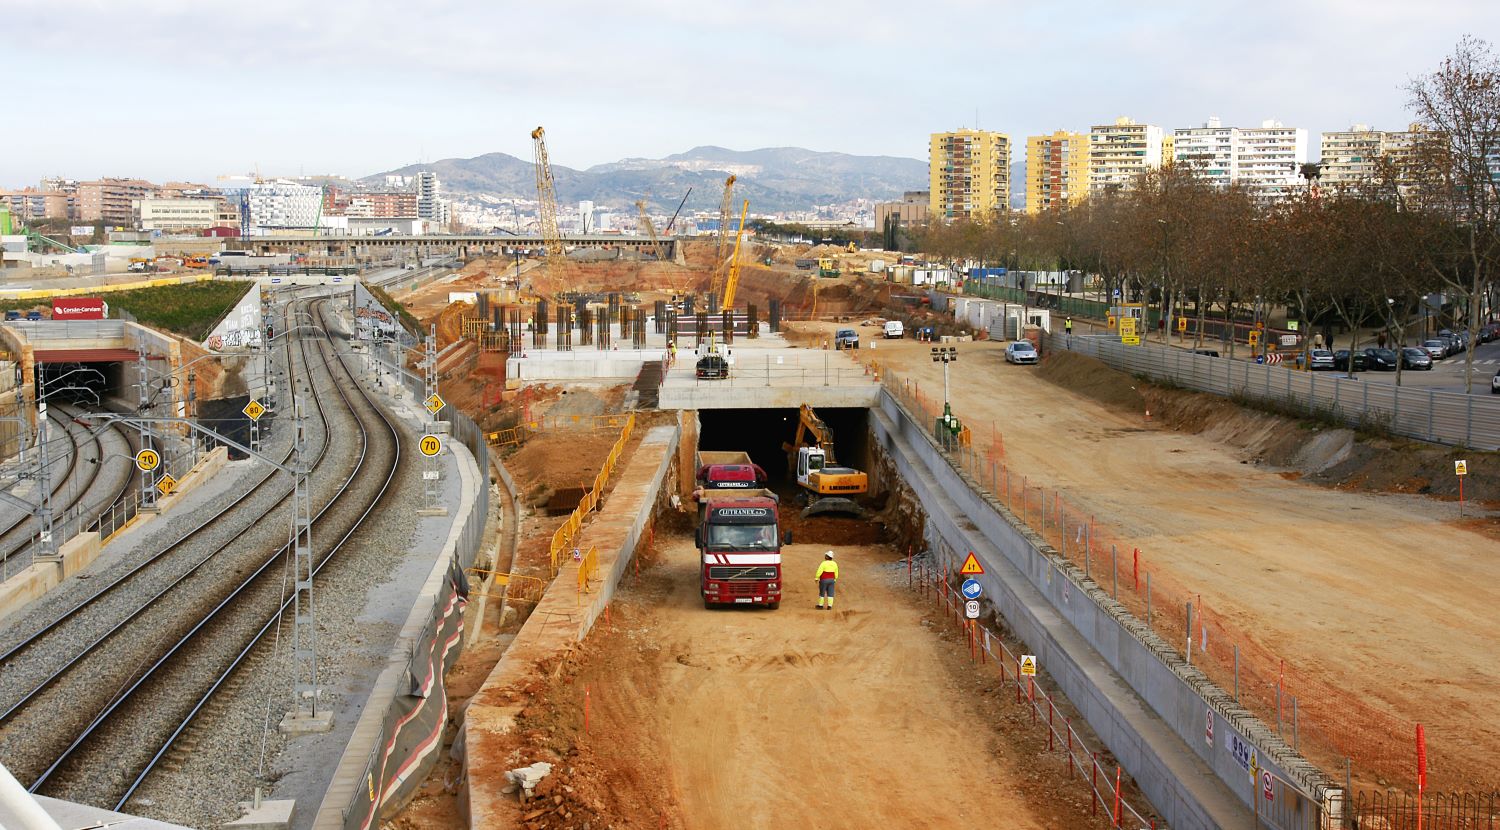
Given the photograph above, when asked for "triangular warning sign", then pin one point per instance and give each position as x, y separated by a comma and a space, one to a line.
971, 566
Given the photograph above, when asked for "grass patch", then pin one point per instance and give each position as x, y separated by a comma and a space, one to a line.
408, 320
191, 310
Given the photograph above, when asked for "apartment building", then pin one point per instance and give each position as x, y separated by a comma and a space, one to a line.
1057, 170
112, 200
30, 204
1120, 152
430, 202
1351, 157
1267, 159
969, 174
383, 204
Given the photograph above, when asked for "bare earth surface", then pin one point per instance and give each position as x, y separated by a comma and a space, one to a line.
807, 718
1385, 609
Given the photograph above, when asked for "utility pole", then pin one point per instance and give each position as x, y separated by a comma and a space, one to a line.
432, 472
148, 477
947, 426
305, 689
46, 549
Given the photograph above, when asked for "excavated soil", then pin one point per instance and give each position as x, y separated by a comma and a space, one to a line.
1376, 610
671, 715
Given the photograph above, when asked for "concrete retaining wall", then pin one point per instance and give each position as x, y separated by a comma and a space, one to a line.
1145, 703
562, 618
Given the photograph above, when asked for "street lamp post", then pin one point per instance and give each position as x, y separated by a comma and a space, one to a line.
947, 426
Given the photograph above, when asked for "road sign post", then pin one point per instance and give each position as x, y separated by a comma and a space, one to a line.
971, 589
971, 609
1461, 469
971, 566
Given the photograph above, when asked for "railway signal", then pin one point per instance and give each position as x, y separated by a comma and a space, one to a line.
430, 445
253, 410
166, 485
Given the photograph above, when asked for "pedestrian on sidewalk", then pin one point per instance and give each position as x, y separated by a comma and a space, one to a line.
828, 575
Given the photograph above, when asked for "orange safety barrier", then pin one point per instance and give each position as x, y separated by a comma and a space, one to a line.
562, 538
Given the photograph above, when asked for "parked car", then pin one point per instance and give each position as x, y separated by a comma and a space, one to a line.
1319, 359
1436, 349
1415, 358
1020, 352
1489, 332
1341, 361
1207, 352
1495, 383
1383, 360
894, 329
846, 339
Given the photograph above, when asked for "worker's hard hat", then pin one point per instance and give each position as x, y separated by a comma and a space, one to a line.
828, 555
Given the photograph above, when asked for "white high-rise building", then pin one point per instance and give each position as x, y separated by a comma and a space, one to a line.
430, 202
1208, 149
281, 204
1120, 152
1269, 159
1266, 159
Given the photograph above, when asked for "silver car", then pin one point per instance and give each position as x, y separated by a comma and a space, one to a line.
1436, 349
1320, 359
1021, 352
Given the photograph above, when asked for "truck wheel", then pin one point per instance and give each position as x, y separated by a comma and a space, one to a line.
708, 605
773, 605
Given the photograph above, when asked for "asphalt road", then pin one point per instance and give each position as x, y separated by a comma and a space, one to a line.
1447, 374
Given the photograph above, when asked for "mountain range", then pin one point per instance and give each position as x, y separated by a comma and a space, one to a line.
773, 178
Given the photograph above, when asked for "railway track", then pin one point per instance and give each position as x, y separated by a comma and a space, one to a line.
74, 490
129, 727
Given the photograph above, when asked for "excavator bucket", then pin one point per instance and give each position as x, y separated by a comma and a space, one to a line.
833, 505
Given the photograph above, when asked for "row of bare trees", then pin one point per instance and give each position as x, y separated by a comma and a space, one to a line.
1427, 222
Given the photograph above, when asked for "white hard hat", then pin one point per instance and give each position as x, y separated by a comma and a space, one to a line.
828, 555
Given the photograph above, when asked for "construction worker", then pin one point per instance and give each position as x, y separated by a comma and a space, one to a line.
828, 574
1068, 325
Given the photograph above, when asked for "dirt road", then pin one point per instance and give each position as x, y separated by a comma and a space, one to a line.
859, 717
1384, 596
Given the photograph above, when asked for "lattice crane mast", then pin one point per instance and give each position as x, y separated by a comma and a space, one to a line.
720, 242
648, 229
734, 262
546, 196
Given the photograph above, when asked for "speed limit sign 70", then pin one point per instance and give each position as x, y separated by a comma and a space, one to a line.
147, 460
430, 445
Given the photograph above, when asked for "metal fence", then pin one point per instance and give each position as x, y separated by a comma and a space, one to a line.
1426, 414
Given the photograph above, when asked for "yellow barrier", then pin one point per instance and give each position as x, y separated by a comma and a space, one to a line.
42, 293
563, 537
587, 569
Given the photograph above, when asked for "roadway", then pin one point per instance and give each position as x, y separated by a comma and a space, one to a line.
1447, 375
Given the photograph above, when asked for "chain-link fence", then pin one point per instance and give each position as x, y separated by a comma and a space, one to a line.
1426, 414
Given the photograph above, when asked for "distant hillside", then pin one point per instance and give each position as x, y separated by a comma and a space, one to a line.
773, 179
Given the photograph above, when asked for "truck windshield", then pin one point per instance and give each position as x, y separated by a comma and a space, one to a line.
742, 536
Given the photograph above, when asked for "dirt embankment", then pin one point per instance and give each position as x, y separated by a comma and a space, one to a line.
1325, 454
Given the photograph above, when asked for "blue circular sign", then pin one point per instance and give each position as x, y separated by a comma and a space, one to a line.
971, 589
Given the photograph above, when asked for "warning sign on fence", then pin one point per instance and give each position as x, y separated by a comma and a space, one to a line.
1028, 665
971, 566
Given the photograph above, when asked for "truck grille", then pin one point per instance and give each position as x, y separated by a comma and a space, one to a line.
736, 573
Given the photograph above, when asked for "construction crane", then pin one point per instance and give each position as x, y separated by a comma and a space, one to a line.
546, 196
648, 228
829, 486
723, 223
734, 262
716, 282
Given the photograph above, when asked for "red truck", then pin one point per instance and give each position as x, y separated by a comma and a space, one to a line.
739, 543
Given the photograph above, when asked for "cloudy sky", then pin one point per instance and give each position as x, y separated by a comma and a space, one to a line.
191, 89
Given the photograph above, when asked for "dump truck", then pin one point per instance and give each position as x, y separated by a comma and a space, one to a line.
738, 537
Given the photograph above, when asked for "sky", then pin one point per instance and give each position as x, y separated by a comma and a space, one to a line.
193, 89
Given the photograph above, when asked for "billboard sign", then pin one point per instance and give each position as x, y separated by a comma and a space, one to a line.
79, 308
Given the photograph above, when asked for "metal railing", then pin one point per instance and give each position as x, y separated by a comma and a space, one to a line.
1425, 414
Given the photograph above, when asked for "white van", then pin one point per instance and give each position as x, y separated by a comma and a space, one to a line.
894, 330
